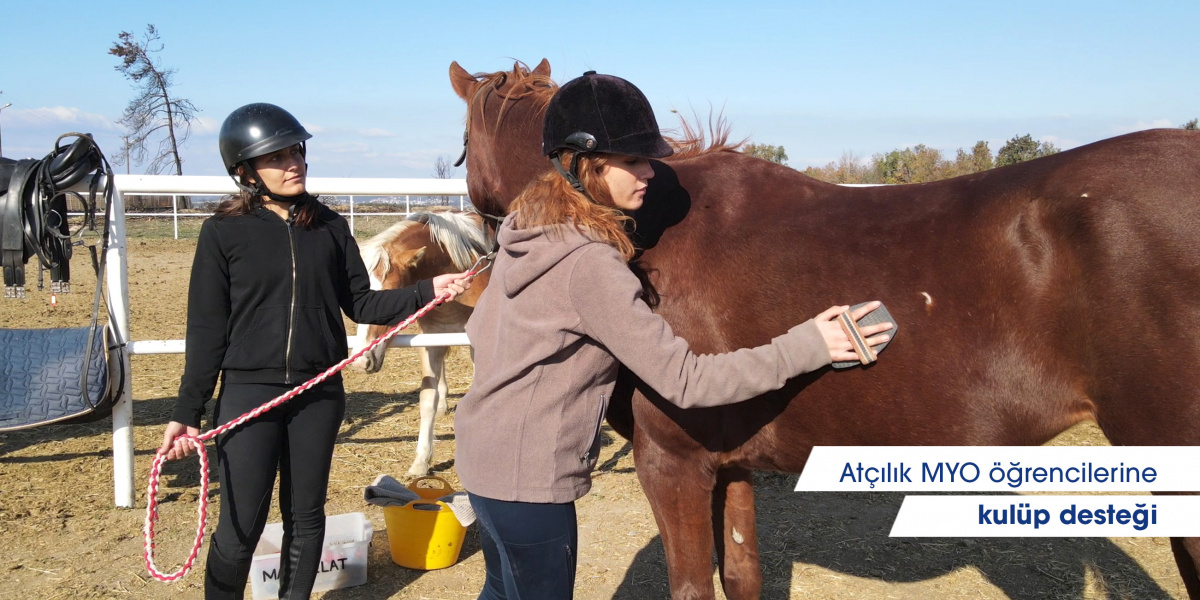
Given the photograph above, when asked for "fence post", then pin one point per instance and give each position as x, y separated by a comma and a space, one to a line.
351, 215
175, 212
117, 280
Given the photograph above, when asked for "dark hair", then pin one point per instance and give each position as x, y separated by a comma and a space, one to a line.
244, 203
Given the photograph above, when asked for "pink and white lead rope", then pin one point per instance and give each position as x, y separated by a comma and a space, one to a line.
197, 442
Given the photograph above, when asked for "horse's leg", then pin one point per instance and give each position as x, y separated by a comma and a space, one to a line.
432, 360
736, 534
1185, 549
443, 387
471, 350
1168, 420
679, 488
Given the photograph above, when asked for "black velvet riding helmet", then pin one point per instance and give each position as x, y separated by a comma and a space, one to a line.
600, 113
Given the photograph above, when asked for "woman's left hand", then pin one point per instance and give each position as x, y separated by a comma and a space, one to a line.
452, 283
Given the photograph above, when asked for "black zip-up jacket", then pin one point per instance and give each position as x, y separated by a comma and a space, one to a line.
266, 299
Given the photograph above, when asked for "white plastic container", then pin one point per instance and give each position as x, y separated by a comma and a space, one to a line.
343, 557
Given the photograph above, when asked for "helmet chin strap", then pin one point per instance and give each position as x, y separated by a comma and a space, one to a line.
572, 174
259, 189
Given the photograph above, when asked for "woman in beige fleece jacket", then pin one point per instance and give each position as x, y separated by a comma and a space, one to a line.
562, 312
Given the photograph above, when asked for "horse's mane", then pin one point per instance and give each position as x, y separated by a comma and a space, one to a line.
459, 235
374, 251
693, 141
695, 138
525, 84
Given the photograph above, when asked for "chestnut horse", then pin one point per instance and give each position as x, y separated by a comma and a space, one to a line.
1031, 297
422, 246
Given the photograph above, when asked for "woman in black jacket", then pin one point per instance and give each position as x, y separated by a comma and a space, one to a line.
274, 271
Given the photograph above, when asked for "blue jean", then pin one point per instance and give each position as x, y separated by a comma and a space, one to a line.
529, 549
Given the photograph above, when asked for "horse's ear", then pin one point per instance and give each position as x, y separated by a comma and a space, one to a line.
416, 257
543, 68
461, 80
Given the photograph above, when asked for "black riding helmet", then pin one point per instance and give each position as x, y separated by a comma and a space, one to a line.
600, 113
254, 130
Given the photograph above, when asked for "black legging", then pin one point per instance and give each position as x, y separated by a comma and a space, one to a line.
296, 439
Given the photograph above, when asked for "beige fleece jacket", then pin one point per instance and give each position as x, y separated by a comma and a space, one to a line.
560, 313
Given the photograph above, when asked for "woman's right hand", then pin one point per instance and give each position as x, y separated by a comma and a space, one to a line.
840, 347
452, 284
173, 447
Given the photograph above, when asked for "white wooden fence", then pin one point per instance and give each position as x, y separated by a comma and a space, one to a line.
351, 215
117, 283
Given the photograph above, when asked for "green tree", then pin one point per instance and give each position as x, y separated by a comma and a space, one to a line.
1193, 125
851, 169
775, 154
980, 158
1023, 148
154, 109
918, 164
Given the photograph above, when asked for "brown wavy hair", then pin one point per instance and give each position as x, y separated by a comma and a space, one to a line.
550, 200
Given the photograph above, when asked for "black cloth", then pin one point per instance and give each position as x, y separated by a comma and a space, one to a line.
529, 549
297, 438
266, 300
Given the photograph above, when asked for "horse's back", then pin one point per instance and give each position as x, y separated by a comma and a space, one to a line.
1028, 297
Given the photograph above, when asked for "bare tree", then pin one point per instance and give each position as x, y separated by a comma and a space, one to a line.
443, 169
153, 109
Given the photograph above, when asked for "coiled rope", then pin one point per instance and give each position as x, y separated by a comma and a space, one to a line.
197, 442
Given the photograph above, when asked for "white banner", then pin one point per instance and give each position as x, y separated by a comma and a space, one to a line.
1069, 469
1048, 516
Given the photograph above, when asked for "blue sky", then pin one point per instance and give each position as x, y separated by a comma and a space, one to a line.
823, 78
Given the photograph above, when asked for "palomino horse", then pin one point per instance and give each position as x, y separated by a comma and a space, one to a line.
1031, 297
422, 246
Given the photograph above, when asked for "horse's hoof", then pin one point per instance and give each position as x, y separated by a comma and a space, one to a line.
418, 471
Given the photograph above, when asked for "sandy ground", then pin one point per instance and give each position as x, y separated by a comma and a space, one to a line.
61, 536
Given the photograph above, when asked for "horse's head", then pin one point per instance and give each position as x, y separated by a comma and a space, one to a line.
392, 258
500, 165
423, 246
